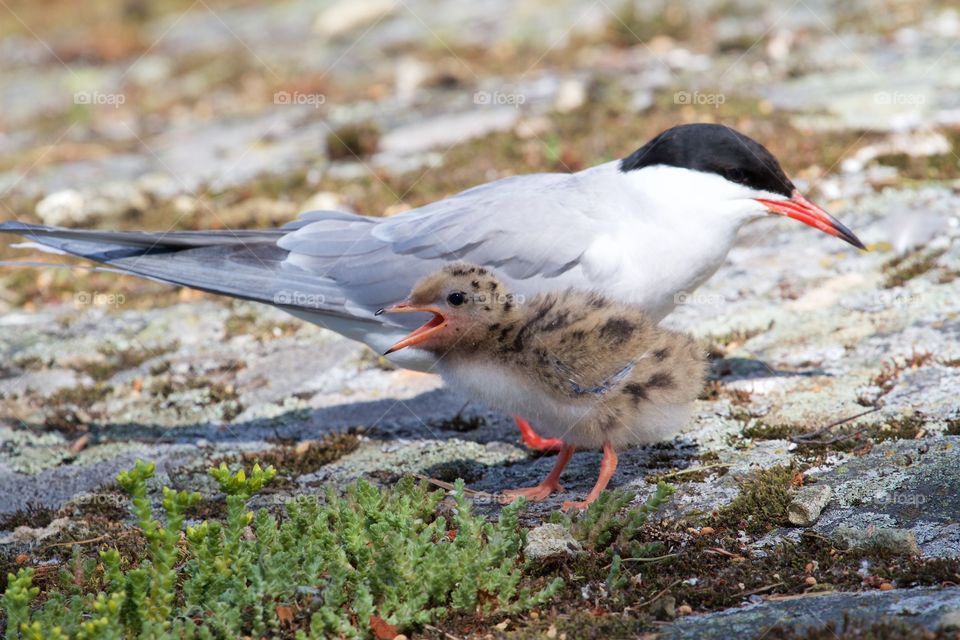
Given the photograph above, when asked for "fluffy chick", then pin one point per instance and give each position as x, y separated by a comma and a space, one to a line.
587, 370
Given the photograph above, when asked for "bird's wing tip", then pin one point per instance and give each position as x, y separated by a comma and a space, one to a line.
15, 226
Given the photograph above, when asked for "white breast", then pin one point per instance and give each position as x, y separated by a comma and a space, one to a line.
575, 422
502, 388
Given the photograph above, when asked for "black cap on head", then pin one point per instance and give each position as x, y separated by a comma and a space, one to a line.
713, 148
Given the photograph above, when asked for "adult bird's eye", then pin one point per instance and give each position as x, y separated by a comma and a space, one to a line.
737, 175
457, 298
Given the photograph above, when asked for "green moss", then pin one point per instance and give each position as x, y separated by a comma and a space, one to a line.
760, 430
339, 568
370, 358
33, 515
246, 321
762, 502
953, 427
607, 525
901, 428
29, 362
631, 25
936, 167
843, 437
718, 346
901, 269
67, 402
115, 360
218, 392
296, 459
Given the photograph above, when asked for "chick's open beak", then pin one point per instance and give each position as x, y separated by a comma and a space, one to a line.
436, 323
799, 208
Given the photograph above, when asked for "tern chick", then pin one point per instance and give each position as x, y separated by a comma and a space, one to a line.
588, 370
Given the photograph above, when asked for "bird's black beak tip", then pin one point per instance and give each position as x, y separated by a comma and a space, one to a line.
854, 241
380, 312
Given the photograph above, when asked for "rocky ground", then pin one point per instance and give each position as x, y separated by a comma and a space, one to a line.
242, 114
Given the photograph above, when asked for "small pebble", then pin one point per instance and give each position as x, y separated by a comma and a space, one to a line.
886, 586
550, 540
684, 610
807, 505
707, 531
811, 581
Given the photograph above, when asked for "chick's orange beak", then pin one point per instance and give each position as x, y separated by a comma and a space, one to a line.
418, 335
799, 208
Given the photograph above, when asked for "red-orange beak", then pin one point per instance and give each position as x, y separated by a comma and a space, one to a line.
799, 208
436, 323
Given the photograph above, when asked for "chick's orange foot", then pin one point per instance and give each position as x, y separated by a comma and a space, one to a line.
534, 494
550, 484
607, 467
535, 441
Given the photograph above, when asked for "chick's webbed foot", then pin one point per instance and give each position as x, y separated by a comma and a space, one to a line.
607, 467
534, 440
549, 485
534, 494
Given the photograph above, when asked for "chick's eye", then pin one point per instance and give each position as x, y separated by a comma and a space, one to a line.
457, 298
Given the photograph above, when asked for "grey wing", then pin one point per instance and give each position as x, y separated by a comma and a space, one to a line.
331, 264
532, 229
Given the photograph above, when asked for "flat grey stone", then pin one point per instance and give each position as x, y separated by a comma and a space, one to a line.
899, 541
922, 607
550, 541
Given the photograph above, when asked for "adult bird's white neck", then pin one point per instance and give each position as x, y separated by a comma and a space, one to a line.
671, 231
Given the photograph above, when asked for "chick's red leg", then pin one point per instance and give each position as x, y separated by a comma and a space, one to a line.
533, 440
550, 484
607, 467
